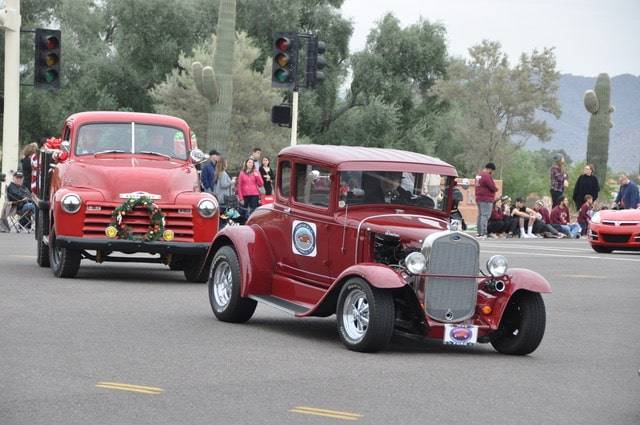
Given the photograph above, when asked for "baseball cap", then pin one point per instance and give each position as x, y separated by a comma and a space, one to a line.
490, 166
557, 157
18, 174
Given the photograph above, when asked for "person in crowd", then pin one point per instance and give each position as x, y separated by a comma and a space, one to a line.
524, 217
256, 153
268, 177
584, 214
16, 192
560, 219
485, 194
628, 197
587, 184
456, 214
558, 178
208, 174
498, 223
542, 225
223, 187
248, 186
29, 153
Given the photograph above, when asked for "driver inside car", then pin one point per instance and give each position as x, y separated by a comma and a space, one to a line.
384, 187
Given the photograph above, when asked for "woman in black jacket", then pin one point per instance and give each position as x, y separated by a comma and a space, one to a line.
587, 184
268, 176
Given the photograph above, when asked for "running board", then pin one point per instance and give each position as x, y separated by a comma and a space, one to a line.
280, 304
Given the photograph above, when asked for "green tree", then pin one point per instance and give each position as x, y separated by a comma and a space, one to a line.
493, 105
253, 97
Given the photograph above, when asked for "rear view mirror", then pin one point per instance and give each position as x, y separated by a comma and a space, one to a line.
197, 156
65, 146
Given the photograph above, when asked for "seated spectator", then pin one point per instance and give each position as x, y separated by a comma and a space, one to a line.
499, 222
584, 214
524, 218
543, 222
560, 219
22, 197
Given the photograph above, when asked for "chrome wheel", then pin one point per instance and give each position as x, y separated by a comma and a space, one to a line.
222, 284
355, 315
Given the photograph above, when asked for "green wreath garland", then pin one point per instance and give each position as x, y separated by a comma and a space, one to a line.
156, 217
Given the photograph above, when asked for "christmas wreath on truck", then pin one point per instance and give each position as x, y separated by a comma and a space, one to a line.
157, 221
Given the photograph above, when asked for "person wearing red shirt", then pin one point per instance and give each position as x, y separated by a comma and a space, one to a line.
248, 186
485, 194
584, 214
560, 219
498, 223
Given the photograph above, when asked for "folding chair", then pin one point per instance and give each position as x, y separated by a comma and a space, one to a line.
11, 218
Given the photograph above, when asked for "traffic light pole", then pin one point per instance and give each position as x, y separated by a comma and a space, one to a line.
10, 24
294, 117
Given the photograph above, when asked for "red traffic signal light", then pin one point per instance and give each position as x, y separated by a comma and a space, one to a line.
47, 58
285, 60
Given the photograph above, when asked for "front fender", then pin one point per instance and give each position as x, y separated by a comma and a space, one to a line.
71, 224
377, 275
204, 229
254, 255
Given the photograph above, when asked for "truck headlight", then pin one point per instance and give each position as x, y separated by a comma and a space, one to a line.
207, 208
71, 203
415, 262
497, 265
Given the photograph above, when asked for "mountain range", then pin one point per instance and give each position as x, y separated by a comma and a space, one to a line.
570, 130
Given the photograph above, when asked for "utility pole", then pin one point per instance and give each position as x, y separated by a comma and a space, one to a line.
10, 23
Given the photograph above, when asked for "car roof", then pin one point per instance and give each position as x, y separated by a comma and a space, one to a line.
353, 157
118, 116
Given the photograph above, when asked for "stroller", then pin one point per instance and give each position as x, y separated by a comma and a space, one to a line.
231, 212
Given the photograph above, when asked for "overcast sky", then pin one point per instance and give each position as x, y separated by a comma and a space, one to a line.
590, 36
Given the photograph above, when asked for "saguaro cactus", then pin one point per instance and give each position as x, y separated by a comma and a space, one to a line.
216, 83
598, 103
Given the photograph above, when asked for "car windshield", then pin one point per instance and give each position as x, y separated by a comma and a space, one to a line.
101, 138
394, 187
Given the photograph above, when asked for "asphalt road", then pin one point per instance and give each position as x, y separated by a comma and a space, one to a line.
136, 344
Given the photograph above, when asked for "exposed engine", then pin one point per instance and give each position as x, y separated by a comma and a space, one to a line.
390, 249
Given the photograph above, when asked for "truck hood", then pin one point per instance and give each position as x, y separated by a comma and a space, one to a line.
408, 227
115, 176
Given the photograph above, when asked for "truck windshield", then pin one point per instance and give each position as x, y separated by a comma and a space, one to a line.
395, 187
131, 138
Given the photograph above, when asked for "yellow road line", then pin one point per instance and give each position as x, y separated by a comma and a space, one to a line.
128, 387
326, 413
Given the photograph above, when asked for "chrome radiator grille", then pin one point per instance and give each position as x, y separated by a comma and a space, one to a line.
451, 299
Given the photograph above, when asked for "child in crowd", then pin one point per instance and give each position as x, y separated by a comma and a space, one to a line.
525, 217
560, 219
584, 214
498, 223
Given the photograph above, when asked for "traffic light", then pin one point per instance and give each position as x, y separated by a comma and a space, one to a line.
281, 115
315, 62
47, 59
285, 60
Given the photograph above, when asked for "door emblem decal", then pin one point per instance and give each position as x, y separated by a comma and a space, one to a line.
303, 238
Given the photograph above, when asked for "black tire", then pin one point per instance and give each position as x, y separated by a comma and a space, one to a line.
42, 255
177, 262
522, 325
358, 299
65, 262
225, 286
193, 269
601, 249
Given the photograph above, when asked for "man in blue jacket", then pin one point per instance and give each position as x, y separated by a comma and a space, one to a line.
208, 175
628, 196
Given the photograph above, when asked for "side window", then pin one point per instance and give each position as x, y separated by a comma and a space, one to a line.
284, 178
313, 185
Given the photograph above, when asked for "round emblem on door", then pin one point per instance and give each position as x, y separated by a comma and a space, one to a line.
304, 238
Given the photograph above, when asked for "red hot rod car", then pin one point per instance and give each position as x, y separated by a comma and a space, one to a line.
123, 182
364, 233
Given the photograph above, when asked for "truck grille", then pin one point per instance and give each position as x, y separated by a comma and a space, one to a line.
178, 218
451, 299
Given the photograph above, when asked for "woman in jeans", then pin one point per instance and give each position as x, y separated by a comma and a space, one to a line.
249, 182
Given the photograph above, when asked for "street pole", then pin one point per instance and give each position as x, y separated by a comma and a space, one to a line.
294, 118
10, 23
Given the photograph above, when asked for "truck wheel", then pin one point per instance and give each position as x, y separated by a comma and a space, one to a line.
225, 286
177, 262
65, 262
365, 316
601, 249
42, 256
194, 270
522, 325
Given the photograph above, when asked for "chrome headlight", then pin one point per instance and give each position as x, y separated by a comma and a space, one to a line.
497, 265
71, 203
207, 208
416, 263
596, 218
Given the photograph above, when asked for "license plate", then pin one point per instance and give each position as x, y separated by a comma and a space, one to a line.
460, 334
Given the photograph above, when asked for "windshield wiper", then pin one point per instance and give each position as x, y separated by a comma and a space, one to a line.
155, 153
108, 151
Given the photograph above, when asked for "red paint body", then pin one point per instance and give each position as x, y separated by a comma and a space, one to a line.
100, 181
616, 230
343, 247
